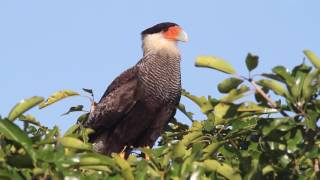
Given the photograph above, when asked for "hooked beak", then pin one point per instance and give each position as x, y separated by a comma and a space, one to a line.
183, 36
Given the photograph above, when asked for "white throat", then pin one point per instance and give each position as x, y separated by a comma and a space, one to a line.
156, 42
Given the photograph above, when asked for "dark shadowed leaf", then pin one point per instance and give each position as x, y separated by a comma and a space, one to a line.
228, 84
313, 58
74, 109
24, 106
273, 76
215, 63
14, 133
252, 61
88, 91
57, 96
182, 108
83, 118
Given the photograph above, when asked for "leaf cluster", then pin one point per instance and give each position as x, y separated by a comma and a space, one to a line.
274, 135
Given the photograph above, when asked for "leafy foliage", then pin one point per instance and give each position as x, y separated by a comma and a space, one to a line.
273, 136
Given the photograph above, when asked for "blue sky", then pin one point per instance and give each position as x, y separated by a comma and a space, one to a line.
46, 46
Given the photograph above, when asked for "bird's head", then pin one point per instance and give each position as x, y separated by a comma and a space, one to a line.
163, 36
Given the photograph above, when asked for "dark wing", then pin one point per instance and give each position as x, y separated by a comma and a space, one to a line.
116, 102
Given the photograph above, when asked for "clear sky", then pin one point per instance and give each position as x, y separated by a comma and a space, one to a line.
46, 46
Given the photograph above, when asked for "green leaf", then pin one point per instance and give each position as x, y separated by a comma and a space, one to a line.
220, 110
228, 84
202, 102
74, 109
250, 106
182, 108
75, 143
222, 168
57, 96
310, 84
24, 106
235, 94
311, 119
241, 124
313, 58
211, 149
252, 61
83, 118
14, 133
90, 159
273, 85
179, 150
126, 170
215, 63
284, 74
30, 119
71, 130
295, 141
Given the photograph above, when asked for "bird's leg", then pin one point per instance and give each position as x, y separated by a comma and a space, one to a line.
123, 152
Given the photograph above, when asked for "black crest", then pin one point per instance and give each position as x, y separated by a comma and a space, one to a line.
158, 28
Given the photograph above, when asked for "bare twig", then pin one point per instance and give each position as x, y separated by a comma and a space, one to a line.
265, 96
316, 165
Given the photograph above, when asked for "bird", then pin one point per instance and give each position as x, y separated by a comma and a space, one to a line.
142, 100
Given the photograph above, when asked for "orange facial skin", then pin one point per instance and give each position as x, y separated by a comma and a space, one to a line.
172, 33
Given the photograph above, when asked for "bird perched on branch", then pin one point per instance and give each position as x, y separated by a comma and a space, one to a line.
141, 101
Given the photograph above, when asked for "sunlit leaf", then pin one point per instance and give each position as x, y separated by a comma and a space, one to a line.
202, 102
126, 170
313, 58
24, 106
215, 63
211, 149
71, 130
235, 94
274, 86
57, 96
182, 108
222, 168
75, 143
228, 84
14, 133
284, 74
179, 150
30, 119
220, 111
250, 106
90, 159
310, 84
